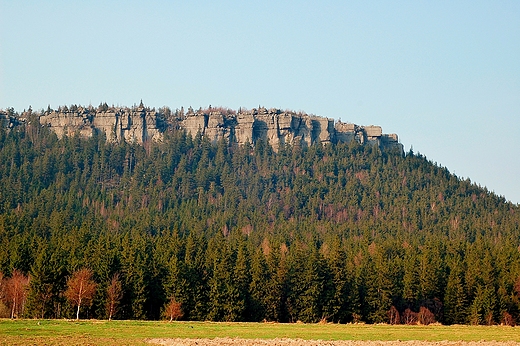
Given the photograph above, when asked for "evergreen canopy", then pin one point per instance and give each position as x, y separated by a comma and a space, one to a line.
339, 232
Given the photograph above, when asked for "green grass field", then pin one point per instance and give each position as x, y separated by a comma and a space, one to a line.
64, 332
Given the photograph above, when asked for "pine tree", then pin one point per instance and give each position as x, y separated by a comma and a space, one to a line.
258, 287
378, 286
455, 304
48, 282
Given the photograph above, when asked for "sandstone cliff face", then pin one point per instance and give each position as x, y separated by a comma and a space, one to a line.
277, 127
135, 125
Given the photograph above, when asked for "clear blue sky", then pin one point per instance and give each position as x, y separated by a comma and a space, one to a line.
444, 75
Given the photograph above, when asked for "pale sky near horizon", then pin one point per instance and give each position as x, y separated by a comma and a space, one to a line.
443, 75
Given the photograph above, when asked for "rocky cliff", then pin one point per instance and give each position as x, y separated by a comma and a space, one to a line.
277, 127
281, 127
136, 124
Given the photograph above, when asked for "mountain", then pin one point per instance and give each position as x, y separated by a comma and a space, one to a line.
340, 231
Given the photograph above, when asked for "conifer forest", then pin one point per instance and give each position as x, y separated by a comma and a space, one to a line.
186, 229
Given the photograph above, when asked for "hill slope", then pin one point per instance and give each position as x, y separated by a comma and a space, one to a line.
340, 232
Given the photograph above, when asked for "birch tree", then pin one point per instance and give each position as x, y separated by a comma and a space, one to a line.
80, 289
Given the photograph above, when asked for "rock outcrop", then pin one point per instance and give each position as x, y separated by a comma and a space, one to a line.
282, 127
277, 127
10, 120
135, 125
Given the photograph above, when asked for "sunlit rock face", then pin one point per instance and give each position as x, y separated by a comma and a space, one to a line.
274, 126
135, 125
282, 127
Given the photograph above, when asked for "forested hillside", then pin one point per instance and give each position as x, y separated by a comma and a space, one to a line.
340, 233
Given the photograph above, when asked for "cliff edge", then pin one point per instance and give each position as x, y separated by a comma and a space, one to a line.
140, 124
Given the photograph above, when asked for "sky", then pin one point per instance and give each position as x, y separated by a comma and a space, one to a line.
443, 75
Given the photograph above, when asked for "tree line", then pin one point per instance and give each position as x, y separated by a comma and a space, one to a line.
187, 229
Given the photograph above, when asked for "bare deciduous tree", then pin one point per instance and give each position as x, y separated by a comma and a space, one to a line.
393, 316
173, 309
2, 286
507, 319
80, 289
114, 294
16, 292
409, 317
516, 286
425, 316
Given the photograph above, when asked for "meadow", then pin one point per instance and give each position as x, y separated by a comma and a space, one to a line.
99, 332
